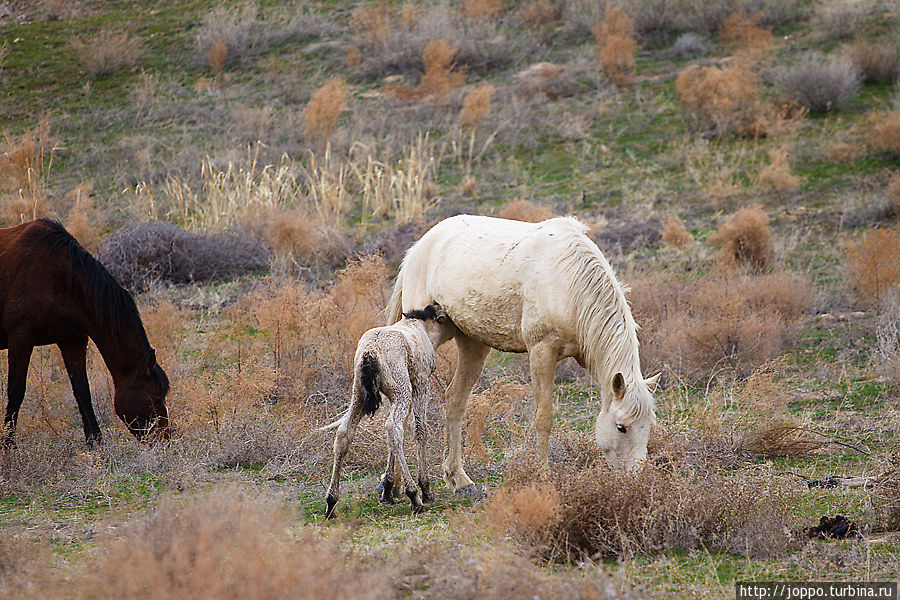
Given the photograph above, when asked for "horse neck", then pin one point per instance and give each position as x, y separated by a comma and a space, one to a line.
124, 350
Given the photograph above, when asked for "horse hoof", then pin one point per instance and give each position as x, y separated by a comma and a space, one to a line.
329, 507
472, 492
418, 509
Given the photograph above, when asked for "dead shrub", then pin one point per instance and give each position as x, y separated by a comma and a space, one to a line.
476, 105
150, 252
883, 132
616, 45
25, 164
216, 56
494, 410
667, 505
727, 324
720, 97
297, 239
324, 109
540, 13
744, 32
877, 61
893, 191
819, 83
107, 52
226, 543
844, 152
523, 210
674, 233
872, 264
483, 9
441, 76
745, 239
372, 22
84, 221
777, 176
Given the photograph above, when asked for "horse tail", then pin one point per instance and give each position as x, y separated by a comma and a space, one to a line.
370, 379
333, 425
394, 310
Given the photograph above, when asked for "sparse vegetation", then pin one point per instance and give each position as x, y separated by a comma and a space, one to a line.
258, 170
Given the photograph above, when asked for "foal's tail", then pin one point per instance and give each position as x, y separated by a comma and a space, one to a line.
370, 379
394, 310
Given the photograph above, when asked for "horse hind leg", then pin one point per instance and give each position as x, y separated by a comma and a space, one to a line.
421, 438
19, 357
471, 361
400, 406
342, 440
74, 354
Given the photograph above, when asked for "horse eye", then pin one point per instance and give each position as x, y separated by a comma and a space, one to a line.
622, 428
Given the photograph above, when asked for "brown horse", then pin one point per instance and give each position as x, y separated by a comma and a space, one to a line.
52, 291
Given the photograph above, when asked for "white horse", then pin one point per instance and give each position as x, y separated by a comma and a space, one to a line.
542, 288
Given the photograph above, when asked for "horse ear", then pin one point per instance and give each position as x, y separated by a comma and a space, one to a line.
653, 382
618, 384
440, 315
149, 362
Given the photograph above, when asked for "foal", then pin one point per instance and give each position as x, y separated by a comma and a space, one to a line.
395, 361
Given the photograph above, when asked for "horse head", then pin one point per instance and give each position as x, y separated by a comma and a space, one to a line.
141, 402
621, 431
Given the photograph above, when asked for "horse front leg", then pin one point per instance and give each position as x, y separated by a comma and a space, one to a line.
542, 360
471, 361
19, 357
74, 354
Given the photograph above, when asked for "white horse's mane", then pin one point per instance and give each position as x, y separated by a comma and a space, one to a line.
607, 333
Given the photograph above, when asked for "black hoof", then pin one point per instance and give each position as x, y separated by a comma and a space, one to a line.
472, 492
330, 503
387, 492
416, 504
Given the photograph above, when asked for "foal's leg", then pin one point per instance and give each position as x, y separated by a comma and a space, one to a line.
401, 401
419, 405
74, 353
471, 361
19, 357
542, 360
342, 440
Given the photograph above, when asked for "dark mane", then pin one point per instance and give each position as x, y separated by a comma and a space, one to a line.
426, 314
110, 302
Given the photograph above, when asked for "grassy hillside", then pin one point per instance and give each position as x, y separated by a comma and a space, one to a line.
253, 172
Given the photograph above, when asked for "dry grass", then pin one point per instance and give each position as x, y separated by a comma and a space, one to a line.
84, 221
226, 543
483, 9
883, 133
745, 239
108, 53
886, 498
324, 109
494, 410
872, 264
777, 176
667, 505
523, 210
25, 164
476, 105
675, 234
745, 33
616, 45
298, 241
216, 56
719, 325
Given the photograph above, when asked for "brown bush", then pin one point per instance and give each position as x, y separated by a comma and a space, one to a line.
523, 210
216, 57
540, 13
777, 176
667, 505
878, 61
883, 132
441, 76
893, 191
744, 32
24, 167
295, 238
718, 97
476, 105
494, 410
226, 543
872, 264
674, 233
745, 239
372, 22
483, 9
324, 109
726, 324
85, 222
616, 45
108, 52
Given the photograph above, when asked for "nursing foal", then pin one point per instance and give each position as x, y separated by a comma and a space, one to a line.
395, 361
